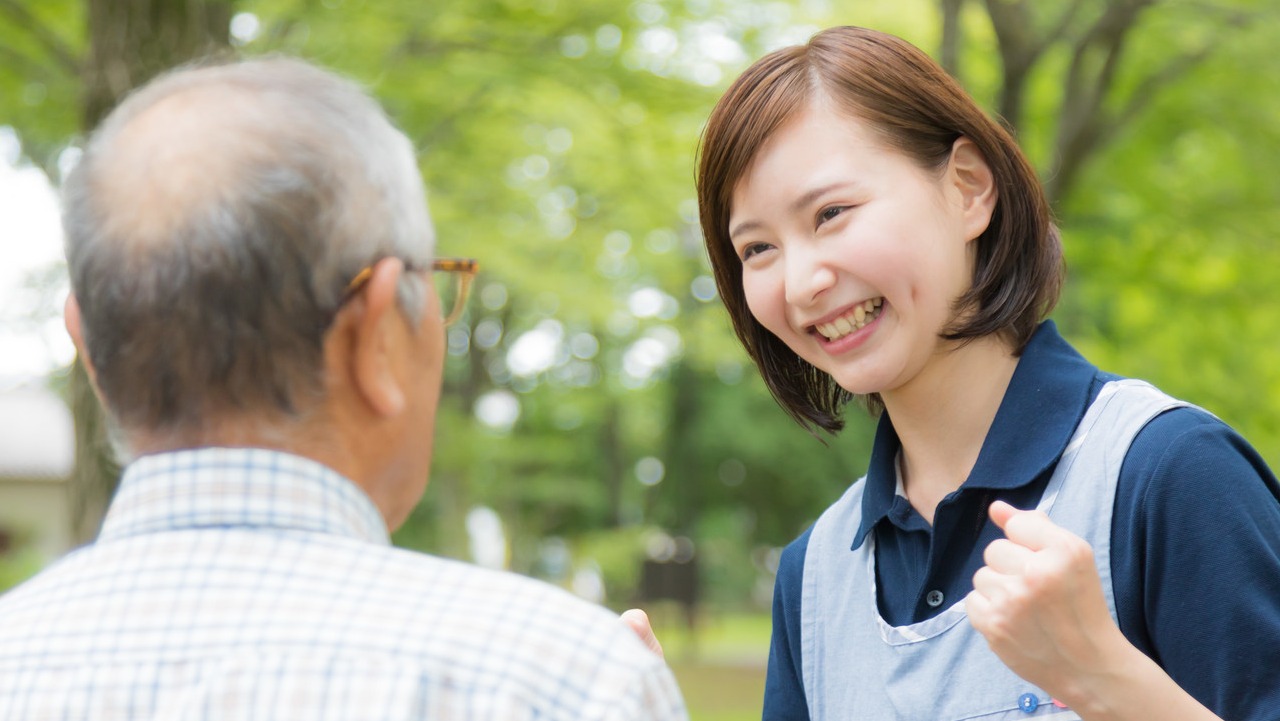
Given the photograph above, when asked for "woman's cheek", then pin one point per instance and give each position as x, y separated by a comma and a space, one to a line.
765, 299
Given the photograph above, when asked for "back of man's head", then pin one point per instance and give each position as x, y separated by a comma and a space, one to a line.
212, 225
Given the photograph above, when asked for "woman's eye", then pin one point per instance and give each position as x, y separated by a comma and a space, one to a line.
753, 249
830, 213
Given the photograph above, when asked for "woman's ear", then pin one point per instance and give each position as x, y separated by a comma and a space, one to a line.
376, 335
972, 178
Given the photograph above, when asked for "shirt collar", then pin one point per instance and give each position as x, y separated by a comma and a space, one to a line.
1047, 396
239, 488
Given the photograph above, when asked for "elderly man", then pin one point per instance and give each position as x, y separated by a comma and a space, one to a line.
252, 271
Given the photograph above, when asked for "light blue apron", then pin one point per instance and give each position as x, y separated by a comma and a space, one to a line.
856, 666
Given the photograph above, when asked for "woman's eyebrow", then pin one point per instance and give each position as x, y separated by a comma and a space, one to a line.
743, 227
797, 206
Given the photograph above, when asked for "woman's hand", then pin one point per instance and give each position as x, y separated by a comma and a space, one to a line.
1039, 603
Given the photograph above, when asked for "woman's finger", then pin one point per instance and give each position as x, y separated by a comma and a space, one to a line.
1007, 557
1031, 529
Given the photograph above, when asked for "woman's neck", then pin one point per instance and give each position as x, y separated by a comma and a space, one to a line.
942, 417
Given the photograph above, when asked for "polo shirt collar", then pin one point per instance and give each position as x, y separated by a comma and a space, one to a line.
1047, 396
239, 488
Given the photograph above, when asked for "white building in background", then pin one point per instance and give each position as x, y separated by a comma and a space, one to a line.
37, 452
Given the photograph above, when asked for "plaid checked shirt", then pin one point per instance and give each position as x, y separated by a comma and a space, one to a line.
253, 585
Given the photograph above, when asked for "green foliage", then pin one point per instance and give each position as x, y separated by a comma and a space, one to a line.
39, 81
1171, 237
18, 566
615, 551
720, 664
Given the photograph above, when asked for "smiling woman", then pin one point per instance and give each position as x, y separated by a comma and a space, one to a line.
874, 234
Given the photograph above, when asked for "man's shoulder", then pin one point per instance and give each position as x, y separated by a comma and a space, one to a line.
517, 635
310, 597
493, 646
472, 588
402, 601
418, 594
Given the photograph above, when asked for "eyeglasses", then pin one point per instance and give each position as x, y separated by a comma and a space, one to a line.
451, 278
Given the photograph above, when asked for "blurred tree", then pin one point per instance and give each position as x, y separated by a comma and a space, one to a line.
1149, 122
1092, 107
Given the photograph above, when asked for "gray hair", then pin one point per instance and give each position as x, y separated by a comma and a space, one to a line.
212, 226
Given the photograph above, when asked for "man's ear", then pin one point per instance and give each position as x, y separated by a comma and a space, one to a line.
376, 333
71, 319
969, 172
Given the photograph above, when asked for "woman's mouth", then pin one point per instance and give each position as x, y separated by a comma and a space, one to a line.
858, 317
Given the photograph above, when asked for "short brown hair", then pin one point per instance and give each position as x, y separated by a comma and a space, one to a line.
918, 109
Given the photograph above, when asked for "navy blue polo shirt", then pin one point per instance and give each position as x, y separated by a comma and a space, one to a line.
1195, 538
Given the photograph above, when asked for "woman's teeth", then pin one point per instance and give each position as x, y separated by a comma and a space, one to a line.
855, 319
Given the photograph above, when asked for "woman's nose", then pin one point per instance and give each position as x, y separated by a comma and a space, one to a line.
807, 276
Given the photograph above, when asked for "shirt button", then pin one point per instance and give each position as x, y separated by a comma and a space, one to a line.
1028, 702
934, 599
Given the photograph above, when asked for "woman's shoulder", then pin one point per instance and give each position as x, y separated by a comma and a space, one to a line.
1191, 450
1187, 470
841, 517
1194, 557
791, 560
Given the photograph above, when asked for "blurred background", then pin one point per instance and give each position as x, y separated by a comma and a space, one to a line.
601, 428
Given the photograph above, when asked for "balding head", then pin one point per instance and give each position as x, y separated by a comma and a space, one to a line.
212, 225
184, 155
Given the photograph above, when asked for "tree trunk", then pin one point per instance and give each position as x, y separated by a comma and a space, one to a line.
130, 42
1094, 38
682, 455
952, 39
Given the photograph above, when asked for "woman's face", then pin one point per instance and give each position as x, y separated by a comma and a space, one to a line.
852, 254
